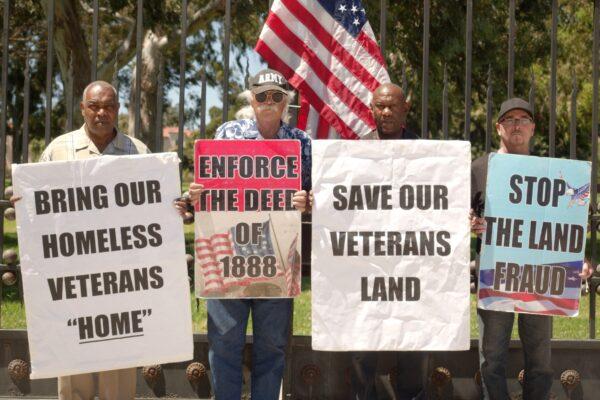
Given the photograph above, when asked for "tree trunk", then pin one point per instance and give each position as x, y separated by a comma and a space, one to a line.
151, 56
69, 41
71, 49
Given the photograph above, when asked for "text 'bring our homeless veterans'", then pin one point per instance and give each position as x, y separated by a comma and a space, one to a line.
103, 264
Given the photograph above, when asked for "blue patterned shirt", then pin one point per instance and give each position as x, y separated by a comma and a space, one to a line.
246, 129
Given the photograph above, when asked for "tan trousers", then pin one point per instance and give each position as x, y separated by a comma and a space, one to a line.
112, 385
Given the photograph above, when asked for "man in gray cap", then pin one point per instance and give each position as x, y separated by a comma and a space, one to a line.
515, 127
228, 318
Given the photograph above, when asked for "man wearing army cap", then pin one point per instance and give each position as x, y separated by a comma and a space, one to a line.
227, 319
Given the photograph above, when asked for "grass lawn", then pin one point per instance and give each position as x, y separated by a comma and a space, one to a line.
12, 315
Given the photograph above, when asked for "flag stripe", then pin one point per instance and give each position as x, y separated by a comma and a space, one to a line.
331, 58
312, 122
325, 95
330, 43
531, 307
306, 90
323, 130
339, 36
303, 114
572, 304
327, 76
371, 47
556, 311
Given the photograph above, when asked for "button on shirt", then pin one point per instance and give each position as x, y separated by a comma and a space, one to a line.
77, 145
246, 129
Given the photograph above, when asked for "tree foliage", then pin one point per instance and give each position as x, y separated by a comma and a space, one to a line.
116, 53
404, 51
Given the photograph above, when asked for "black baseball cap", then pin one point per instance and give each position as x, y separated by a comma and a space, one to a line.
268, 79
515, 104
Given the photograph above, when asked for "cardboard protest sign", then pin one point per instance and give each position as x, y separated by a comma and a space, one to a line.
103, 264
390, 245
247, 230
536, 212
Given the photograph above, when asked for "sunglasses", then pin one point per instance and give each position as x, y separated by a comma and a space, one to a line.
276, 97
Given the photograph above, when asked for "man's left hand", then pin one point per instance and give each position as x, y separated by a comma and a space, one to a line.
299, 200
587, 270
181, 205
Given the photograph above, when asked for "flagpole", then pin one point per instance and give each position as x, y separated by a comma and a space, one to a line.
277, 243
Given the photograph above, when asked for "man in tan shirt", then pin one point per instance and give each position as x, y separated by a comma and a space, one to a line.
98, 136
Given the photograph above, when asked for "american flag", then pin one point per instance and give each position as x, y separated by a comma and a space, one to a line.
209, 252
578, 194
566, 304
327, 51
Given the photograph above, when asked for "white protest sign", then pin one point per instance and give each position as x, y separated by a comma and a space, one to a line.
390, 245
103, 264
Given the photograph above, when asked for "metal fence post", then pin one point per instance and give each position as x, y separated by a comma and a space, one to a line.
425, 71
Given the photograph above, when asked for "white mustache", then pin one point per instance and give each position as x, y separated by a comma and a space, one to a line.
264, 107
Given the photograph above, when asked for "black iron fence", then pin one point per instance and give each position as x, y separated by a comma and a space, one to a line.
68, 91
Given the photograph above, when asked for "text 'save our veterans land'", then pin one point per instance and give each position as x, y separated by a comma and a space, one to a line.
103, 264
390, 245
533, 249
247, 230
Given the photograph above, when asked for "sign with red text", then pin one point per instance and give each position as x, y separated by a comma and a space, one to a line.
247, 230
103, 264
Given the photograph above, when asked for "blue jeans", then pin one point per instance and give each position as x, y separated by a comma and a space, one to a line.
494, 337
227, 322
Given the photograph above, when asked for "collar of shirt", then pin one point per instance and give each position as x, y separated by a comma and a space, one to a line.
82, 141
406, 135
281, 133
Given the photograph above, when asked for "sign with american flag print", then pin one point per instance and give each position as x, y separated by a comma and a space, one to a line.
533, 249
247, 230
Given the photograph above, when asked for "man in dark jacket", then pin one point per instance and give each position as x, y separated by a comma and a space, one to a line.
390, 108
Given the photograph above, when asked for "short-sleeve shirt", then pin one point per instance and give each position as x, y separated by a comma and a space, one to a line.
246, 129
77, 145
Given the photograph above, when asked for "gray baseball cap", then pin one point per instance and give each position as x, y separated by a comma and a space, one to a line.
515, 104
268, 79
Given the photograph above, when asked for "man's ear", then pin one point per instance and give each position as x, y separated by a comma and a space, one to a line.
498, 127
407, 101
